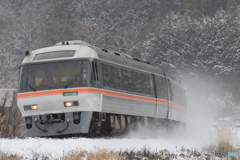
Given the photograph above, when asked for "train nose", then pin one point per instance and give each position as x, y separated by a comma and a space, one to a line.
54, 124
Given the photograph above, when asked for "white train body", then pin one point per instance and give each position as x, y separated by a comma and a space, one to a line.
78, 88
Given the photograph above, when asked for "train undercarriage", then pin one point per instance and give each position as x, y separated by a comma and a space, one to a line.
92, 124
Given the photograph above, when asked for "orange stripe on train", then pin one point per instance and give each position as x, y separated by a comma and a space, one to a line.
103, 92
55, 92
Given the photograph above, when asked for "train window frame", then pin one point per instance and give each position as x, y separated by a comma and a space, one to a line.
120, 67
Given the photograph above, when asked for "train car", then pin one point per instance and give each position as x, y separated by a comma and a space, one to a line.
74, 88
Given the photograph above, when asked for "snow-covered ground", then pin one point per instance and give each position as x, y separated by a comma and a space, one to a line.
153, 140
58, 147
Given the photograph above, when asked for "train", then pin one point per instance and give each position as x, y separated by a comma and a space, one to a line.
75, 88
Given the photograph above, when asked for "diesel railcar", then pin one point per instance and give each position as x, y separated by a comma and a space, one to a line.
75, 88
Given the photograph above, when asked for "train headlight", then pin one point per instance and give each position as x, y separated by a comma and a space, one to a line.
34, 107
68, 104
30, 107
71, 103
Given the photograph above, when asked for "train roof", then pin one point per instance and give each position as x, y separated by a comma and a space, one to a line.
53, 53
126, 60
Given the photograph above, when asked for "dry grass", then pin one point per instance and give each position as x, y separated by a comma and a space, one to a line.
144, 153
224, 140
75, 155
101, 154
105, 154
4, 156
11, 122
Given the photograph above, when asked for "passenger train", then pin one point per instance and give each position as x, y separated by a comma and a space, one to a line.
74, 88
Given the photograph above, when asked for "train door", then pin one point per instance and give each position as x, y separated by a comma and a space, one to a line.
95, 69
154, 91
170, 97
162, 96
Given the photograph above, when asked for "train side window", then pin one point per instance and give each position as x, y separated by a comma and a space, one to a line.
127, 80
111, 76
162, 90
106, 75
136, 82
141, 83
116, 75
146, 84
113, 81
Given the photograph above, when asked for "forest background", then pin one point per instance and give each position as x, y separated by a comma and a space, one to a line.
197, 41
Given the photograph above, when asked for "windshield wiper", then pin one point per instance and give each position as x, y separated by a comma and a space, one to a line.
27, 84
66, 86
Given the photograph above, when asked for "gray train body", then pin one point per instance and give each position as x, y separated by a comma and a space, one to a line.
76, 88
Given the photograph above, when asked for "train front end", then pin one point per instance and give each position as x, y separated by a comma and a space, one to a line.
58, 90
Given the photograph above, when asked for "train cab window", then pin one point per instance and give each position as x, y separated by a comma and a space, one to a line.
85, 75
56, 75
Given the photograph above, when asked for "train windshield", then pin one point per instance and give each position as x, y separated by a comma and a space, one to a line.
56, 75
